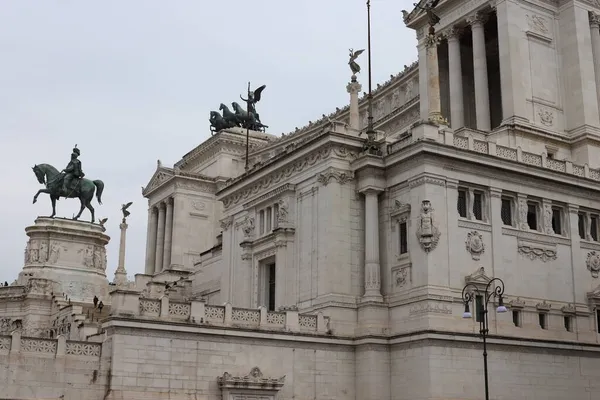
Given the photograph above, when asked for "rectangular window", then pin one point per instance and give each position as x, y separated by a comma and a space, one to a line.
403, 238
581, 225
556, 221
568, 325
506, 212
598, 320
261, 221
478, 206
532, 216
269, 221
594, 228
271, 288
516, 318
479, 308
461, 204
542, 319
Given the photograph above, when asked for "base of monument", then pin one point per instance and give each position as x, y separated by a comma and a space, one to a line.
69, 252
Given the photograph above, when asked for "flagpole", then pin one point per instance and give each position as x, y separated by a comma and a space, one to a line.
247, 127
370, 131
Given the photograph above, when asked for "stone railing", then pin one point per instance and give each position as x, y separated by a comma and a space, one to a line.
12, 291
129, 303
513, 154
17, 344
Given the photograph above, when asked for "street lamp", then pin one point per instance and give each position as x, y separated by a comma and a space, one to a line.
494, 288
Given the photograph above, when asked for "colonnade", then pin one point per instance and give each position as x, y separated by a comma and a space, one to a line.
595, 33
480, 74
160, 237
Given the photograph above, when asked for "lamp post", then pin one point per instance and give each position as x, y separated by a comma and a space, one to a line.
494, 288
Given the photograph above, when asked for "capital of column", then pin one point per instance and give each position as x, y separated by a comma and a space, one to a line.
573, 208
477, 19
453, 33
123, 226
370, 190
594, 20
354, 87
432, 40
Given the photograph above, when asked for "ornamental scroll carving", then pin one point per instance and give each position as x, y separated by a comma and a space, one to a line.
593, 263
475, 245
533, 251
255, 380
427, 233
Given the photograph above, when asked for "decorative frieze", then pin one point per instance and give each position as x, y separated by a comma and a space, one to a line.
401, 276
342, 177
254, 381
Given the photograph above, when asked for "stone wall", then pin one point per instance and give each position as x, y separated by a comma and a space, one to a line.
182, 363
33, 368
455, 371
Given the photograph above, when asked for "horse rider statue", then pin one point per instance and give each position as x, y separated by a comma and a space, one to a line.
72, 171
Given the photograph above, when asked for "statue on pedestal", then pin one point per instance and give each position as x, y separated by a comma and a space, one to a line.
354, 67
69, 183
249, 119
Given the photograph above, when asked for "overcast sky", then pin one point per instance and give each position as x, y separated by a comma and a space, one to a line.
133, 81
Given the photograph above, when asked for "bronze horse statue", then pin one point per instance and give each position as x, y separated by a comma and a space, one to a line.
84, 190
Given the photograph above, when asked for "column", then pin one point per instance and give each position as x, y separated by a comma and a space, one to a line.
372, 268
120, 273
151, 240
433, 81
482, 96
457, 112
595, 32
354, 89
168, 235
160, 238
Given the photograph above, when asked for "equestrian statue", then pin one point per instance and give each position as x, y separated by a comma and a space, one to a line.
240, 117
69, 183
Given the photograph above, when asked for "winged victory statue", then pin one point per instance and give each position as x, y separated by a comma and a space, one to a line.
352, 63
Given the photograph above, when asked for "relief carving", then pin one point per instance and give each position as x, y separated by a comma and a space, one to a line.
255, 380
198, 205
342, 177
396, 100
408, 90
537, 23
430, 308
282, 213
593, 263
546, 116
402, 276
427, 233
475, 245
55, 251
88, 256
533, 251
248, 226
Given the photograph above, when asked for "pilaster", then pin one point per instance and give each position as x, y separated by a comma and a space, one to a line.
496, 223
595, 34
577, 257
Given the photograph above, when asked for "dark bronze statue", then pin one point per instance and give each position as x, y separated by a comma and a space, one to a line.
433, 18
218, 123
75, 187
239, 117
354, 67
253, 98
124, 208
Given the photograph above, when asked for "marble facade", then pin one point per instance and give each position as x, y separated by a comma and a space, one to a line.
325, 272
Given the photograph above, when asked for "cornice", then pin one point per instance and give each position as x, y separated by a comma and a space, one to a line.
544, 178
182, 180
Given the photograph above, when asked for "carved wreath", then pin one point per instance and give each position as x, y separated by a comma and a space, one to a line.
474, 244
593, 263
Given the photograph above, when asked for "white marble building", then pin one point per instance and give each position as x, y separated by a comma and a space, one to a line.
323, 272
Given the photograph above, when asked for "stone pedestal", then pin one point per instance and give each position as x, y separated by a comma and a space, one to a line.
71, 253
354, 89
433, 81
